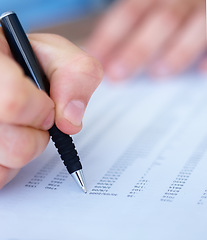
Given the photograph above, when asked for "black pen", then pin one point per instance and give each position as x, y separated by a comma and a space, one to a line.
24, 55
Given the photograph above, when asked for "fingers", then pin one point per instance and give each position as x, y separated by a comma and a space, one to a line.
116, 26
184, 49
144, 44
25, 111
131, 34
19, 145
73, 78
21, 102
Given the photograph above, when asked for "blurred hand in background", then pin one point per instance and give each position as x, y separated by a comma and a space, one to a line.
162, 37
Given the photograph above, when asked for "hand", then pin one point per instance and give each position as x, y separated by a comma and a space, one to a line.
26, 112
162, 37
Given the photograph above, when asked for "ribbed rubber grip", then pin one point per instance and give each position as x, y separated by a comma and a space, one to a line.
66, 149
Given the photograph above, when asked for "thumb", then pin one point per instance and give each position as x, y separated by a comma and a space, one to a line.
73, 76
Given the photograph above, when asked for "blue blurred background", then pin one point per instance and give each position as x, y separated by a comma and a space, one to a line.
43, 13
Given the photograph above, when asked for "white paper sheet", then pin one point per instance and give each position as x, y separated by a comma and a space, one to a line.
144, 152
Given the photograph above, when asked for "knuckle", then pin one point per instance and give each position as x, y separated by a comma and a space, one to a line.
14, 103
90, 66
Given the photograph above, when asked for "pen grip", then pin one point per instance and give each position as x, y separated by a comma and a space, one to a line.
66, 149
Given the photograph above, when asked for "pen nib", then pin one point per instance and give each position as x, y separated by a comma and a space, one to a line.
78, 177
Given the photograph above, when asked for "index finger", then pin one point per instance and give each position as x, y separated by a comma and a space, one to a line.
73, 76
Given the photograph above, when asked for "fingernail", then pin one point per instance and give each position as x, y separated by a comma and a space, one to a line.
49, 121
160, 69
74, 111
117, 71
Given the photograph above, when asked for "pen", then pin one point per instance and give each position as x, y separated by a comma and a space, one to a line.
22, 52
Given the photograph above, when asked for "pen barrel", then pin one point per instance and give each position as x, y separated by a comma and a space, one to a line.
22, 51
24, 55
66, 148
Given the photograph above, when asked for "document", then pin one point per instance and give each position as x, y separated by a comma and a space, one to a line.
143, 148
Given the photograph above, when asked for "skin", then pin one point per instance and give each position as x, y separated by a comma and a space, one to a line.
26, 113
161, 37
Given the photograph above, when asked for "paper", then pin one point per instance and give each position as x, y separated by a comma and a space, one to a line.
144, 152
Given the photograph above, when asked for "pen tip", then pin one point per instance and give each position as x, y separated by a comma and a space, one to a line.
78, 177
84, 189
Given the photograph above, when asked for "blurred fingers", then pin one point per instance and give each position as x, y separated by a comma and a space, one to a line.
144, 44
116, 25
185, 48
